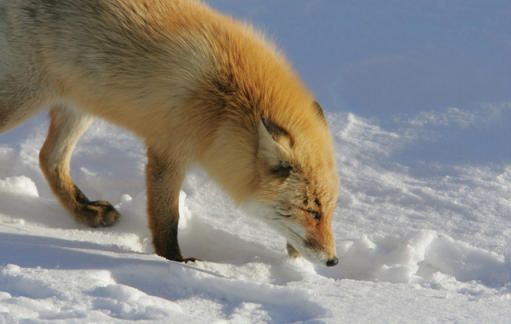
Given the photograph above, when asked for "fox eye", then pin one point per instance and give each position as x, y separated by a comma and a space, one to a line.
315, 214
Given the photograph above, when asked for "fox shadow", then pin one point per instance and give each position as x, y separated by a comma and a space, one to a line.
155, 276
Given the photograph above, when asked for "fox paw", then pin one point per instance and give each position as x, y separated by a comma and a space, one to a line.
186, 260
181, 259
99, 213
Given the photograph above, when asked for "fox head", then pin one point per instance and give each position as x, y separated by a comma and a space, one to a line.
271, 148
298, 184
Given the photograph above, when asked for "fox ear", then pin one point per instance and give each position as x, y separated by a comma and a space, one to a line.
274, 143
319, 110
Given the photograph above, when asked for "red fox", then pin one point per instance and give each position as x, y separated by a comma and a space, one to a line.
196, 86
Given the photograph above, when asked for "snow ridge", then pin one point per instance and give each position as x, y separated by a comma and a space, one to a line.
390, 226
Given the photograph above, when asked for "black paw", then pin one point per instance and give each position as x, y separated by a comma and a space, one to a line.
99, 214
186, 260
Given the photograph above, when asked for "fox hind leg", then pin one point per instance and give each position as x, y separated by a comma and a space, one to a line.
66, 127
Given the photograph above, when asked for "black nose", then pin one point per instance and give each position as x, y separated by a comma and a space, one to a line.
333, 261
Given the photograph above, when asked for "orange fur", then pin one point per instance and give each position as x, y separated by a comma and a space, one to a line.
196, 85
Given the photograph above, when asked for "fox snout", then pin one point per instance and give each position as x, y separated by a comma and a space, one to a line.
332, 262
329, 262
319, 256
321, 249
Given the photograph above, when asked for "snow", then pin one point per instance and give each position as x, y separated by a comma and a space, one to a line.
416, 96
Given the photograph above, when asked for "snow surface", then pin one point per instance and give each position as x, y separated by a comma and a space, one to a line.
417, 98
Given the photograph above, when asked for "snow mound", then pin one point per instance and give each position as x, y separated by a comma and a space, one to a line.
418, 257
19, 185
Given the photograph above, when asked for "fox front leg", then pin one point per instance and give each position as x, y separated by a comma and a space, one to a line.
163, 180
292, 252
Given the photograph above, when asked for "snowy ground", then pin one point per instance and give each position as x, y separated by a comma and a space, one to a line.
423, 224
